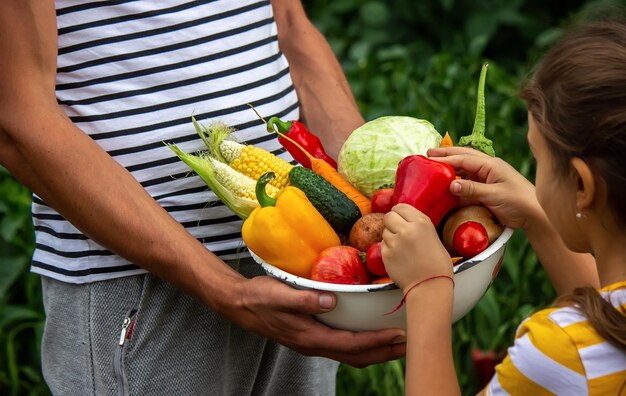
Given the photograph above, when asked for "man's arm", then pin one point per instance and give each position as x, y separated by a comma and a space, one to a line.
327, 105
70, 172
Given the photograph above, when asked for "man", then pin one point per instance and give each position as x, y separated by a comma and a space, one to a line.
139, 298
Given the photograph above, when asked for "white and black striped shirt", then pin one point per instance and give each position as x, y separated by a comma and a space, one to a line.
131, 74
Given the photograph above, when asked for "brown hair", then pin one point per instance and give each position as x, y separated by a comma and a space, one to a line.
608, 321
577, 97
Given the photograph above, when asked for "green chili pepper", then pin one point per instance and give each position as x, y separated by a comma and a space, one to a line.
477, 139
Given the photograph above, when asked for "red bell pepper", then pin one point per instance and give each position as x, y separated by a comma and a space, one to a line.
297, 131
425, 184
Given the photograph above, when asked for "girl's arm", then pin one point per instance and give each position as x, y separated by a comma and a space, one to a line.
413, 254
497, 185
429, 361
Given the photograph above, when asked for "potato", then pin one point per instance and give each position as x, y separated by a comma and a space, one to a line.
476, 213
367, 230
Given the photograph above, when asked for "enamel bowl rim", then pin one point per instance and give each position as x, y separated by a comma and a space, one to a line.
333, 287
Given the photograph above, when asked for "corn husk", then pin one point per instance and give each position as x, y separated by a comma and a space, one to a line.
204, 166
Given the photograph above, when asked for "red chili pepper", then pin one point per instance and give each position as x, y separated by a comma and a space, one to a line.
298, 132
425, 184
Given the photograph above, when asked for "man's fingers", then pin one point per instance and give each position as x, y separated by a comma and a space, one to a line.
311, 302
272, 293
358, 349
293, 325
372, 356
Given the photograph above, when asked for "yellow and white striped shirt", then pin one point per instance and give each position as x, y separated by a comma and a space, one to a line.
558, 352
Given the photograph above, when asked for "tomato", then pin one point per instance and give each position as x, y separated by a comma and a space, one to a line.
470, 238
374, 260
382, 200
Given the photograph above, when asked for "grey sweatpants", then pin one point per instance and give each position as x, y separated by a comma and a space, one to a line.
176, 346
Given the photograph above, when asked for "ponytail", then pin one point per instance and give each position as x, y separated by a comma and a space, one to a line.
608, 321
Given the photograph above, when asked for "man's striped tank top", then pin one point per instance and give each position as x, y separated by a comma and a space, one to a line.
131, 74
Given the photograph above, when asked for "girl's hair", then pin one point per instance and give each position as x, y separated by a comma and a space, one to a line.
577, 97
607, 320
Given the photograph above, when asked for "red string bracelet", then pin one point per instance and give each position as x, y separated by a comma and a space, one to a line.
414, 286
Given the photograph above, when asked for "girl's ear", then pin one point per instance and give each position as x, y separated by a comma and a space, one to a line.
586, 184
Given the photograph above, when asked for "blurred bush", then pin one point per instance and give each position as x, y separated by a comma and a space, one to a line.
401, 57
21, 310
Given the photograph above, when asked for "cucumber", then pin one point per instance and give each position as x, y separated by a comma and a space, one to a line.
335, 206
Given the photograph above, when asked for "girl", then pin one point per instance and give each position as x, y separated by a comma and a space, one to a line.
577, 133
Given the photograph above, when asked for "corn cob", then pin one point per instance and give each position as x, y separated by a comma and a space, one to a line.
237, 182
235, 190
254, 161
247, 159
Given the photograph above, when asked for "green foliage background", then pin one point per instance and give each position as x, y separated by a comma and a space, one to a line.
401, 57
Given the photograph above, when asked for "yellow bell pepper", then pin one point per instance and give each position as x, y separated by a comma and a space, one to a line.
287, 232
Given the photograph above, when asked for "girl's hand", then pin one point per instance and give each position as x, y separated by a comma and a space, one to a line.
491, 182
411, 248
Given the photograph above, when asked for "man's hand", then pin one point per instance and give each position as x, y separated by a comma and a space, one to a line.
276, 311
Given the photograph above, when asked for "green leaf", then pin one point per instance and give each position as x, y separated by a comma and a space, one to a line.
548, 37
10, 270
374, 14
490, 308
13, 222
16, 313
359, 51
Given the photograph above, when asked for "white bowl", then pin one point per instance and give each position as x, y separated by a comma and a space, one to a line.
363, 307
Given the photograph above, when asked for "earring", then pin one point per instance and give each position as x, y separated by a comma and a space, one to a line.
580, 215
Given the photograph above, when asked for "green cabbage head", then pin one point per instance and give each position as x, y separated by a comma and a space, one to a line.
369, 157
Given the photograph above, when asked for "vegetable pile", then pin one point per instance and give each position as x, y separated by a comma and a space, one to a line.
324, 220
